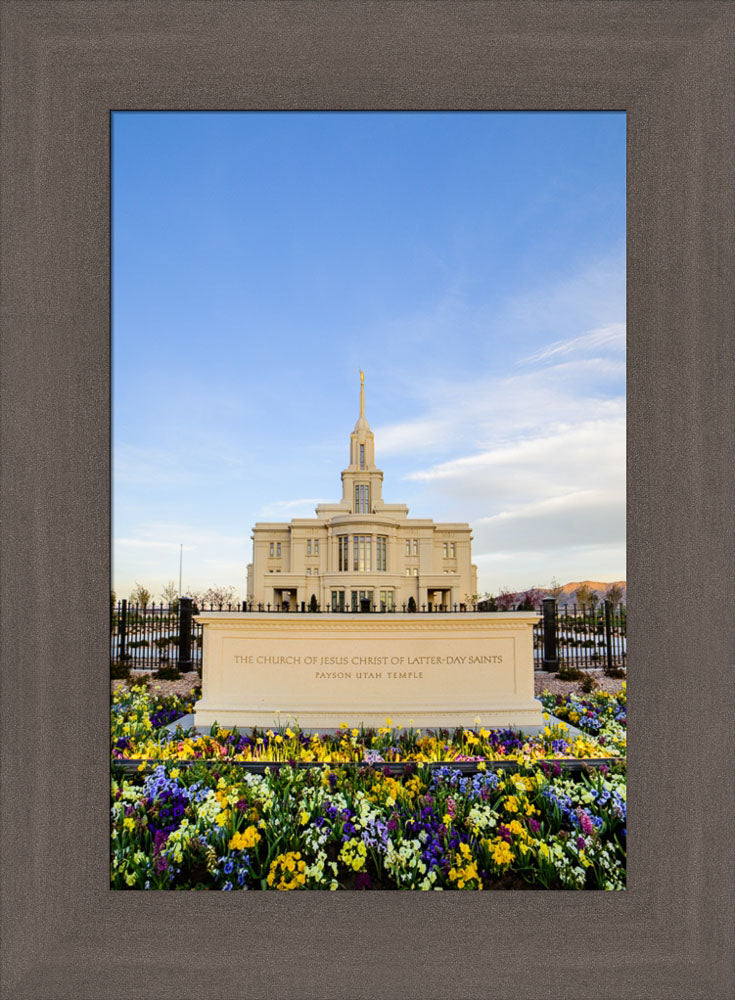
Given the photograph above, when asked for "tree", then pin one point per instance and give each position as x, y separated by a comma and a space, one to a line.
170, 594
530, 600
505, 600
586, 597
313, 605
140, 595
614, 594
555, 588
411, 604
219, 595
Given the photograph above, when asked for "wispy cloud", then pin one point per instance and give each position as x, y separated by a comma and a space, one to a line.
610, 337
535, 453
591, 517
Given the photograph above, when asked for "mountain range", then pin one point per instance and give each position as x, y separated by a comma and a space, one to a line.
569, 590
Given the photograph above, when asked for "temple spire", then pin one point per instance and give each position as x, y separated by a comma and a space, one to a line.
362, 426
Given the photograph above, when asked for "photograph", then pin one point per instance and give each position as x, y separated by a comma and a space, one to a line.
368, 609
364, 368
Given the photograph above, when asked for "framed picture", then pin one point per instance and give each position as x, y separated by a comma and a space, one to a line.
66, 68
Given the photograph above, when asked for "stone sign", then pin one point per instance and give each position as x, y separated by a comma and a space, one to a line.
324, 670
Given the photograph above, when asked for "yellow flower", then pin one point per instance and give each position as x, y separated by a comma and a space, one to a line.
175, 773
129, 823
141, 767
481, 765
247, 838
304, 817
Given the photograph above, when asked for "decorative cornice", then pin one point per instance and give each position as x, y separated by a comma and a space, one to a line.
336, 626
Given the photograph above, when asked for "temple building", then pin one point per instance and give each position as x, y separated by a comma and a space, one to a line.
362, 553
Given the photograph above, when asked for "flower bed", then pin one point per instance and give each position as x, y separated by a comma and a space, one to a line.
330, 828
135, 737
601, 715
352, 824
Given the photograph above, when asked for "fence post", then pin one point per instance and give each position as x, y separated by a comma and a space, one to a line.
185, 607
122, 630
551, 659
608, 636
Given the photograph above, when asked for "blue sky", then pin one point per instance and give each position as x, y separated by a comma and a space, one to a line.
473, 264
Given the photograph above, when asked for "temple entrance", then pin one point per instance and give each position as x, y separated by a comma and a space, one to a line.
362, 600
440, 600
285, 599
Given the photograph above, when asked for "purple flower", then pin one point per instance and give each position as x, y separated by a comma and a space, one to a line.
585, 822
362, 881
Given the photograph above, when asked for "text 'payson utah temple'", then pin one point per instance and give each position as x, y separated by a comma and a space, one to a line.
361, 552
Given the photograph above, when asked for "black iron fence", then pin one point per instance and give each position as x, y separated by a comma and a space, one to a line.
581, 636
152, 636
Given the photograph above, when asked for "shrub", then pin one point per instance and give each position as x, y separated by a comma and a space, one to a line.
616, 672
167, 674
588, 683
119, 671
411, 604
568, 672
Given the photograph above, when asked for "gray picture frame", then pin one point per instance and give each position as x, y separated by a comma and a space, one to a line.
65, 66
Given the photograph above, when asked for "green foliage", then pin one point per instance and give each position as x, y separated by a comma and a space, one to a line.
170, 595
568, 672
588, 683
140, 595
170, 673
586, 597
